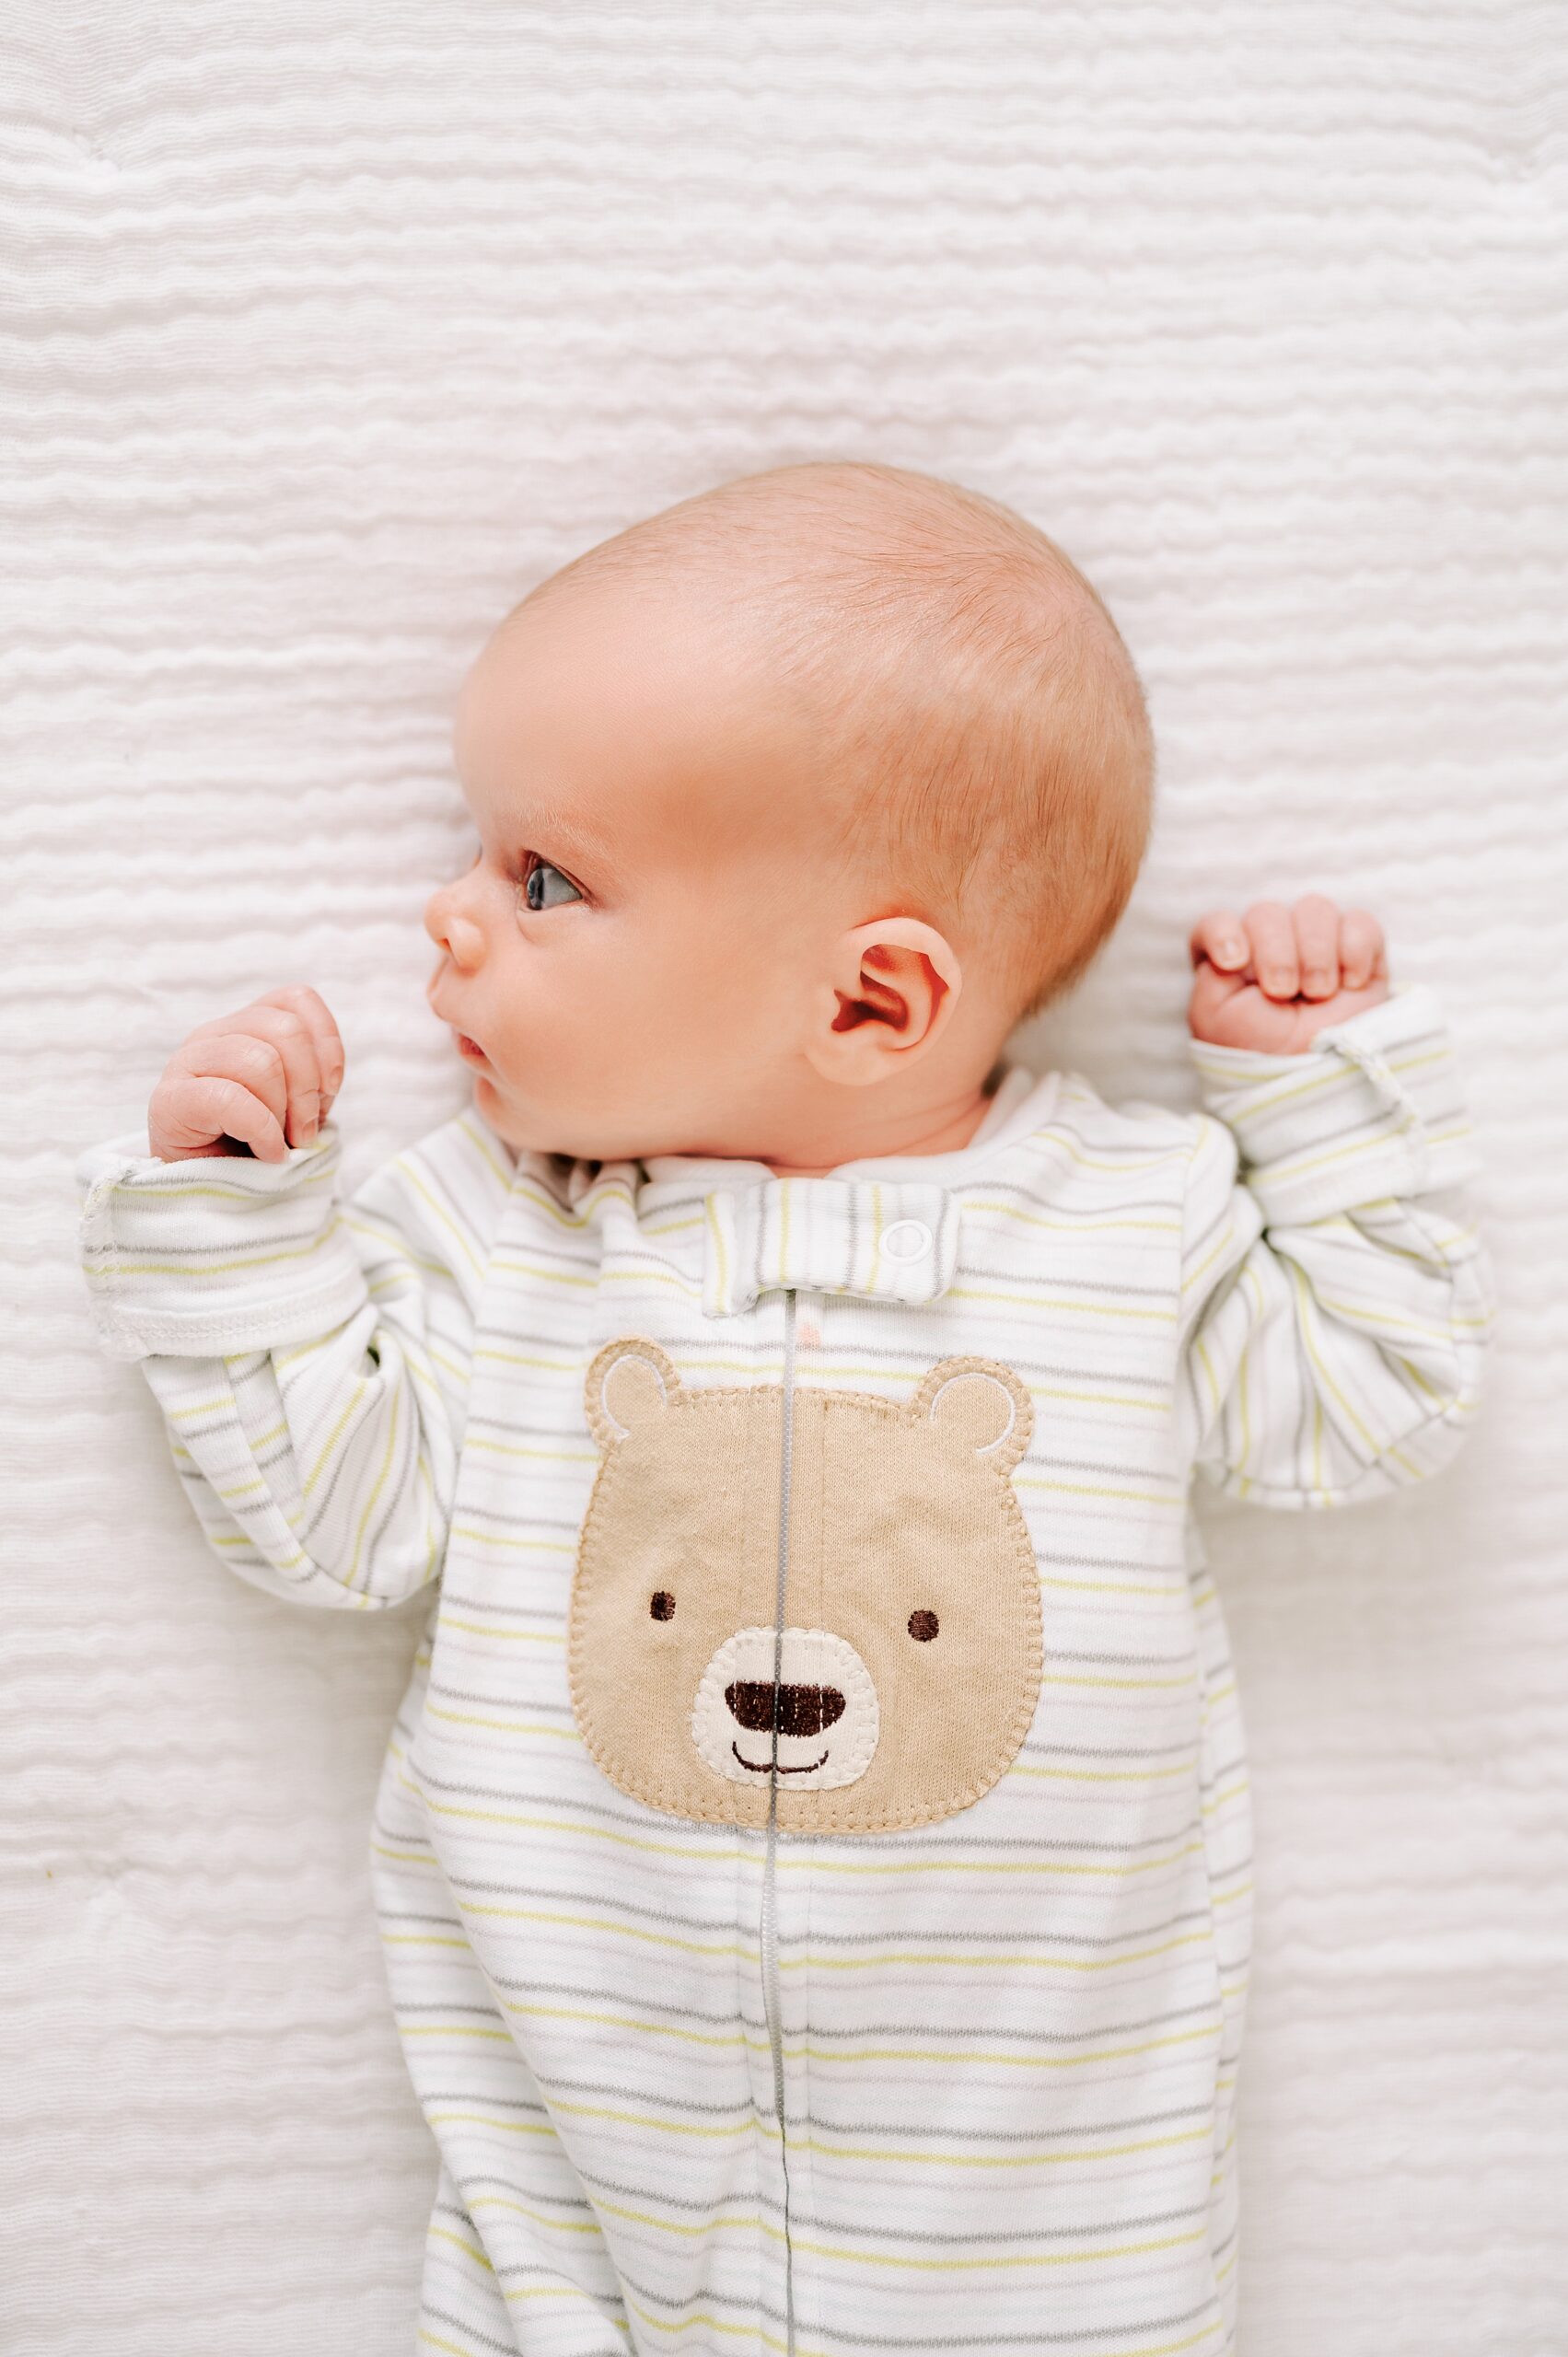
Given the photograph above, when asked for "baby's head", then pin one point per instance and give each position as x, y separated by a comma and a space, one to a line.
791, 802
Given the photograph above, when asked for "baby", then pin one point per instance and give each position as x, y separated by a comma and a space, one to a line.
812, 1854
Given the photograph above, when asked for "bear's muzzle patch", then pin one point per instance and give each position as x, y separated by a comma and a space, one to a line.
825, 1704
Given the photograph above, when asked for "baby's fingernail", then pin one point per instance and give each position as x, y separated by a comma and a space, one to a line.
1317, 980
1230, 948
1279, 980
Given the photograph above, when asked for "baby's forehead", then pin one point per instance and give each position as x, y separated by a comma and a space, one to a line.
660, 718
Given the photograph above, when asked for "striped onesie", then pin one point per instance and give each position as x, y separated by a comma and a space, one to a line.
812, 1853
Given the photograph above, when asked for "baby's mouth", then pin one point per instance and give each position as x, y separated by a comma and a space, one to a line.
761, 1766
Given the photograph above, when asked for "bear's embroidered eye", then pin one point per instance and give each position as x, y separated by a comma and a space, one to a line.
923, 1627
661, 1604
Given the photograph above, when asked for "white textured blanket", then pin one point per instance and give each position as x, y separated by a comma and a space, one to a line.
330, 329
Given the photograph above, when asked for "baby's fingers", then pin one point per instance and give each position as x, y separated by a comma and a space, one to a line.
261, 1068
286, 1040
1221, 938
310, 1008
1317, 946
1272, 934
1363, 951
193, 1113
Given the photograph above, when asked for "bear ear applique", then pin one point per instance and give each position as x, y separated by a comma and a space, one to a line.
976, 1405
628, 1383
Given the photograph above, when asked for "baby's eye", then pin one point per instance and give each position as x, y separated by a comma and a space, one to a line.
545, 887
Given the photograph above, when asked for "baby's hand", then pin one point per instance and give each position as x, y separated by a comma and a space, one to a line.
242, 1076
1275, 978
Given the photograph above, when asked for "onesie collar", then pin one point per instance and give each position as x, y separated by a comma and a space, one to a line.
889, 1239
886, 1228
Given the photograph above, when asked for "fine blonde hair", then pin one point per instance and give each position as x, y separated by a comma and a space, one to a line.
986, 747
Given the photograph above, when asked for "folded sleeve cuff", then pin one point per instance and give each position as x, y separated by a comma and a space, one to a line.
216, 1255
1373, 1108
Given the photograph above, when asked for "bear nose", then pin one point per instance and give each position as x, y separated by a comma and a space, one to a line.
802, 1710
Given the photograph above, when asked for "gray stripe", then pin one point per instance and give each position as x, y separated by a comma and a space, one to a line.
504, 1611
876, 1843
504, 1701
1036, 2338
971, 1937
461, 2324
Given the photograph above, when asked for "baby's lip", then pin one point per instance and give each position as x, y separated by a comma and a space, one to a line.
463, 1038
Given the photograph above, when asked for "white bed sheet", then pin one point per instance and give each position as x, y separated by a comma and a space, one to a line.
331, 329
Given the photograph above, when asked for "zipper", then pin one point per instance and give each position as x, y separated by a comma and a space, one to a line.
769, 1896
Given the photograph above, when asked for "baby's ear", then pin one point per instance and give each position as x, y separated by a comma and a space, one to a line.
979, 1405
629, 1383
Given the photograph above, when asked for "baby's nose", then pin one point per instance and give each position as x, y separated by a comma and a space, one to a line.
457, 935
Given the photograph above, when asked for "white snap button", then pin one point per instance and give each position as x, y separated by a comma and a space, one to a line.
907, 1239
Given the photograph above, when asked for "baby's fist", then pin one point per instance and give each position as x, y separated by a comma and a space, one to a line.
1275, 978
240, 1081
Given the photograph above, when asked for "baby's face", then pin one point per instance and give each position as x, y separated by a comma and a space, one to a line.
634, 947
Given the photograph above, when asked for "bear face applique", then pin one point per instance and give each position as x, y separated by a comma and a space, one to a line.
908, 1662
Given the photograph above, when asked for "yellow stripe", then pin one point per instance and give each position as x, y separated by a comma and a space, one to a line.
1174, 1497
722, 1256
227, 1261
441, 2235
1048, 1301
786, 1861
502, 1726
386, 1232
551, 1276
1069, 1226
539, 2217
862, 2255
549, 1455
966, 1959
946, 2159
702, 2319
481, 1145
380, 1479
317, 1178
1285, 1173
409, 1170
520, 1636
360, 1388
1191, 1279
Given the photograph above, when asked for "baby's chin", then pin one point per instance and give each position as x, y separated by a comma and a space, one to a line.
530, 1130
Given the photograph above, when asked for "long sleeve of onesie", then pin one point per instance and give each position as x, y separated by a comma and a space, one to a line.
1336, 1299
311, 1359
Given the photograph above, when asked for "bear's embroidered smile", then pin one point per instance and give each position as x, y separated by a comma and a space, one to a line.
907, 1674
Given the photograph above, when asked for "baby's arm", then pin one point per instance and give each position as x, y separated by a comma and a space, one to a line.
1337, 1300
311, 1361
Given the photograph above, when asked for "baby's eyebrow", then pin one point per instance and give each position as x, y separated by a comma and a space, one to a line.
543, 826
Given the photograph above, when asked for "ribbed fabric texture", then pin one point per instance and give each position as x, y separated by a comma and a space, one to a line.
1010, 2040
